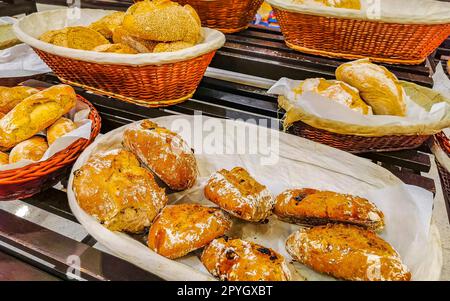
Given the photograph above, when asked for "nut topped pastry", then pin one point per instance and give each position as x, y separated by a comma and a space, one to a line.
164, 152
238, 193
240, 260
314, 207
113, 188
180, 229
347, 252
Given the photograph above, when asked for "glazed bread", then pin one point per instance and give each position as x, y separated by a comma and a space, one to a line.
351, 4
31, 149
10, 97
35, 114
337, 91
76, 37
113, 188
313, 207
240, 260
115, 48
164, 152
238, 193
347, 252
4, 158
378, 87
181, 229
61, 127
163, 21
106, 25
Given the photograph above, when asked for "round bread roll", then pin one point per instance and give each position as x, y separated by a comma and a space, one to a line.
61, 127
10, 97
32, 149
106, 25
76, 37
4, 158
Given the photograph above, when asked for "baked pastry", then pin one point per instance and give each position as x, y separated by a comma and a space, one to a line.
351, 4
238, 193
32, 149
35, 113
171, 46
115, 48
181, 229
106, 25
163, 21
314, 207
56, 37
61, 127
378, 87
337, 91
164, 152
116, 190
121, 36
4, 158
76, 37
240, 260
347, 252
10, 97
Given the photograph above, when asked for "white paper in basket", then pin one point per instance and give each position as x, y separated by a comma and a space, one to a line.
79, 114
302, 163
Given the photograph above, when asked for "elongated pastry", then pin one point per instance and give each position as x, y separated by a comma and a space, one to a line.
347, 252
238, 193
61, 127
240, 260
378, 87
35, 113
351, 4
106, 25
113, 188
314, 207
164, 152
10, 97
31, 149
181, 229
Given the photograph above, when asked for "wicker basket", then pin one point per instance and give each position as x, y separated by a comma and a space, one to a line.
391, 43
443, 143
24, 182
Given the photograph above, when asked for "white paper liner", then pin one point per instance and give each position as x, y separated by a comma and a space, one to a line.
30, 27
80, 115
394, 11
302, 163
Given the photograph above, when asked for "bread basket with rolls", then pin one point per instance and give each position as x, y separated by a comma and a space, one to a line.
155, 54
366, 109
394, 31
42, 132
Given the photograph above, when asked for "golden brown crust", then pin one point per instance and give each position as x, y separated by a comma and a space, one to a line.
351, 4
115, 48
238, 193
76, 37
10, 97
347, 252
58, 129
240, 260
121, 36
313, 207
164, 152
34, 114
106, 25
32, 149
4, 158
113, 188
181, 229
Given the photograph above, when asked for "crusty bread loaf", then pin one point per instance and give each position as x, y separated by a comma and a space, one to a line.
4, 158
238, 193
113, 188
61, 127
314, 207
31, 149
34, 114
347, 252
163, 152
10, 97
180, 229
106, 25
240, 260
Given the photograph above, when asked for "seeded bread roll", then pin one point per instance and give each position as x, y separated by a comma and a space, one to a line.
32, 149
240, 260
238, 193
4, 158
61, 127
181, 229
10, 97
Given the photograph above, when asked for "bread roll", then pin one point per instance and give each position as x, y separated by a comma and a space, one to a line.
106, 25
351, 4
347, 252
113, 188
121, 36
32, 149
337, 91
163, 21
61, 127
115, 48
10, 97
240, 260
378, 87
181, 229
4, 158
35, 114
76, 37
163, 152
56, 37
314, 207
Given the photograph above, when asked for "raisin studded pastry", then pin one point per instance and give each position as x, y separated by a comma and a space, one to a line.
164, 152
31, 149
314, 207
347, 252
61, 127
240, 260
10, 97
181, 229
113, 188
238, 193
